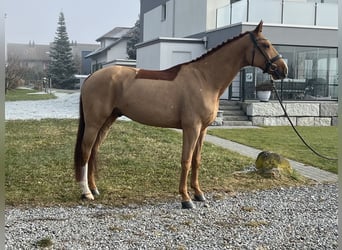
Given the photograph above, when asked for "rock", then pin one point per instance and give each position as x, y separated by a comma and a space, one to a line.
272, 165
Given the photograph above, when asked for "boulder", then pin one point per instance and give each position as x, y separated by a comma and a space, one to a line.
272, 165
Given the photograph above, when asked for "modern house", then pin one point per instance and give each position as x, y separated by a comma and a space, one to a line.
112, 51
303, 31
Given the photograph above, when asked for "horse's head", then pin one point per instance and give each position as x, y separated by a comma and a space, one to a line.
265, 56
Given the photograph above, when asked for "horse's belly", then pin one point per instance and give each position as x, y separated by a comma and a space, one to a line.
153, 115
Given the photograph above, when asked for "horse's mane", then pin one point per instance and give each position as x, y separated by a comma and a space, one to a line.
170, 73
211, 51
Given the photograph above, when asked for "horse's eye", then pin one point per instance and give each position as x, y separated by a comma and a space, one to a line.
266, 46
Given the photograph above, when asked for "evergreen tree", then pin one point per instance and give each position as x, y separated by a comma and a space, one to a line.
62, 67
134, 38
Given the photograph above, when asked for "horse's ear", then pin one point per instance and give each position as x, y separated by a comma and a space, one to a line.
258, 29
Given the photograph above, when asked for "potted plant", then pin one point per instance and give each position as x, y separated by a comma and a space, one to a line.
263, 91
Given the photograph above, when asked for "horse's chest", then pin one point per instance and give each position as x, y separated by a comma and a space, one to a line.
206, 111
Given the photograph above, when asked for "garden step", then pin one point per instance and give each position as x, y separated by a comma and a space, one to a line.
232, 114
235, 118
228, 108
237, 123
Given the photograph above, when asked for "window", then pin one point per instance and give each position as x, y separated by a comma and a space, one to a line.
96, 67
312, 74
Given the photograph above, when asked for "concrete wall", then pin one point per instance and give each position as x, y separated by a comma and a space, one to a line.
301, 113
155, 26
182, 19
297, 35
148, 57
163, 53
189, 20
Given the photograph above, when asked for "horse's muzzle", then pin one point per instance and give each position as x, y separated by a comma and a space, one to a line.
277, 72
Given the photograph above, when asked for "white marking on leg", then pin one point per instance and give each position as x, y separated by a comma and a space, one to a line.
84, 183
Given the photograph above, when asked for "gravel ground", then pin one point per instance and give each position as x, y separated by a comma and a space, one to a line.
291, 218
285, 218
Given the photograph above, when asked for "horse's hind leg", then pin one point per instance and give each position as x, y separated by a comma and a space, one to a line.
102, 134
90, 134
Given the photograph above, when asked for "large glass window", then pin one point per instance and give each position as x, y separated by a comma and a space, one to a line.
312, 75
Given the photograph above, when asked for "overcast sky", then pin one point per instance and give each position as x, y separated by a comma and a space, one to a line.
36, 20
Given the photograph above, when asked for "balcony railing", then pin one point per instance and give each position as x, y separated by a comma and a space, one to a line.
279, 12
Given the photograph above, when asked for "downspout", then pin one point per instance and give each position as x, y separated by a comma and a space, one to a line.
282, 12
315, 18
247, 11
205, 41
174, 19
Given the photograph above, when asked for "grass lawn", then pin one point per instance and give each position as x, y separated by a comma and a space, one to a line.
284, 141
137, 164
26, 95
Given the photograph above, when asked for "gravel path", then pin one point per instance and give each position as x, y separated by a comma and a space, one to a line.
291, 218
285, 218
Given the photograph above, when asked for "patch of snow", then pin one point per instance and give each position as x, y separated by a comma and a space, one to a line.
65, 106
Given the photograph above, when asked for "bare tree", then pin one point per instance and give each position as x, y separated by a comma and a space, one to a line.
14, 73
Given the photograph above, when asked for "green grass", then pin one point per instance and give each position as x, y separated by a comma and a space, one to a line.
284, 141
137, 164
26, 95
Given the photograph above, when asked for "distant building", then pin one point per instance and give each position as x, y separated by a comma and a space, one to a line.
112, 51
36, 56
30, 55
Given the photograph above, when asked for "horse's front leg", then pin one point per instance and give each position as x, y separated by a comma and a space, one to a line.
195, 165
92, 169
190, 137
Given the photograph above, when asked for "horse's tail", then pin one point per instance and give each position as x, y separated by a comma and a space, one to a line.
78, 155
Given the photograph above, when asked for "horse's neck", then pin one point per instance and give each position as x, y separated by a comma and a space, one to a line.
221, 66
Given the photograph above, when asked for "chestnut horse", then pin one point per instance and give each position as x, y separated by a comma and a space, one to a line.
185, 96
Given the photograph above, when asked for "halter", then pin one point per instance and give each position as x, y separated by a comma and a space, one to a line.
270, 66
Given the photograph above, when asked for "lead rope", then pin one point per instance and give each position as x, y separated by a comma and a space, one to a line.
296, 131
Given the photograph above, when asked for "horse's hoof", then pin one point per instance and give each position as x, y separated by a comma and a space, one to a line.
95, 192
87, 196
187, 205
199, 197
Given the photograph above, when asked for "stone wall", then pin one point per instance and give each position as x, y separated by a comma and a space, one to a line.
301, 113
